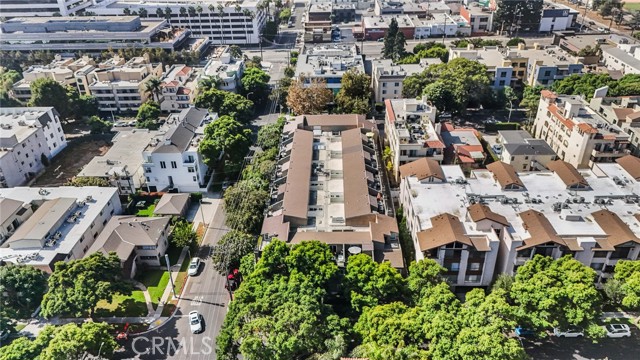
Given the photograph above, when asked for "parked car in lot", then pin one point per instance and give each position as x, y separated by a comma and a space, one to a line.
618, 330
521, 331
195, 322
568, 333
194, 266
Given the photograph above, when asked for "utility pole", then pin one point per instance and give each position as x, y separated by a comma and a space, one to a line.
260, 37
444, 29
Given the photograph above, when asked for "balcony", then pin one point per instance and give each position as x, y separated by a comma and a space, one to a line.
608, 153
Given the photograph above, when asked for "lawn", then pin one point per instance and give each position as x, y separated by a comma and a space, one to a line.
123, 305
155, 281
631, 6
147, 212
19, 327
182, 275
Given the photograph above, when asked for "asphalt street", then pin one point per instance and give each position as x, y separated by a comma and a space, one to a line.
204, 293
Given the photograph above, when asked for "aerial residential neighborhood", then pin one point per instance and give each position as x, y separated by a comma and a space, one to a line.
319, 179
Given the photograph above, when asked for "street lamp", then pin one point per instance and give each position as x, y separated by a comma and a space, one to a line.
250, 93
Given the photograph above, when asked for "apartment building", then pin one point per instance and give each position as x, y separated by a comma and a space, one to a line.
441, 24
20, 8
172, 160
12, 214
238, 22
623, 111
60, 69
178, 88
511, 66
328, 188
500, 218
557, 17
121, 166
522, 151
329, 63
387, 77
224, 68
91, 34
462, 146
624, 57
577, 133
376, 27
138, 241
119, 86
27, 135
412, 131
56, 224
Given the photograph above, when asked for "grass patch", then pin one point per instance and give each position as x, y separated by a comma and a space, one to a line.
169, 308
123, 305
632, 6
155, 281
147, 212
202, 228
19, 327
182, 275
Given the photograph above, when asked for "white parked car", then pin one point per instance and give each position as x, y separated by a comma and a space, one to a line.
618, 330
194, 266
570, 332
195, 322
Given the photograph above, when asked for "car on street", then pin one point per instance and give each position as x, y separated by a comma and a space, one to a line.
601, 29
195, 322
194, 266
381, 40
131, 123
571, 332
120, 123
521, 331
618, 330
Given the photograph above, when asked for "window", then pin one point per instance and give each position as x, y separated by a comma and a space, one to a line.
146, 247
147, 170
472, 278
191, 169
474, 266
174, 165
454, 267
148, 258
195, 178
163, 165
397, 84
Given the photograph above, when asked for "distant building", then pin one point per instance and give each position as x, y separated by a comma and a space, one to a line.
173, 205
376, 27
122, 164
172, 160
61, 70
623, 111
387, 77
440, 25
225, 69
178, 88
577, 133
328, 188
56, 224
19, 8
26, 135
89, 34
538, 65
522, 151
412, 131
329, 63
624, 57
138, 241
320, 11
479, 17
557, 17
119, 86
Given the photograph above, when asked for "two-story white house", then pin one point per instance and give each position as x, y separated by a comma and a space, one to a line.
172, 161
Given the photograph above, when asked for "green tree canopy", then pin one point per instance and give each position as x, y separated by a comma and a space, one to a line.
148, 114
244, 202
628, 274
269, 135
76, 286
226, 103
355, 93
312, 99
21, 289
255, 84
231, 248
369, 283
227, 137
80, 181
556, 293
48, 92
183, 235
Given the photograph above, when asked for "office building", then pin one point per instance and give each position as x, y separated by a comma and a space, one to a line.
27, 136
20, 8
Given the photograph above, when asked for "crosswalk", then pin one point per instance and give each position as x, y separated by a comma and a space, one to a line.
197, 300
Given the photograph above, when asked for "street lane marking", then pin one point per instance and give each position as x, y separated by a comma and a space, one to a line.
197, 301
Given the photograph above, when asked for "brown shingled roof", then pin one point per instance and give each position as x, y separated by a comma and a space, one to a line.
567, 172
631, 165
422, 169
505, 174
356, 190
296, 196
445, 229
618, 232
479, 212
542, 232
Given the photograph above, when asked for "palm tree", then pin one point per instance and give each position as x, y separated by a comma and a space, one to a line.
152, 88
212, 10
248, 14
143, 12
192, 14
221, 13
167, 13
126, 11
208, 82
183, 14
199, 11
160, 13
